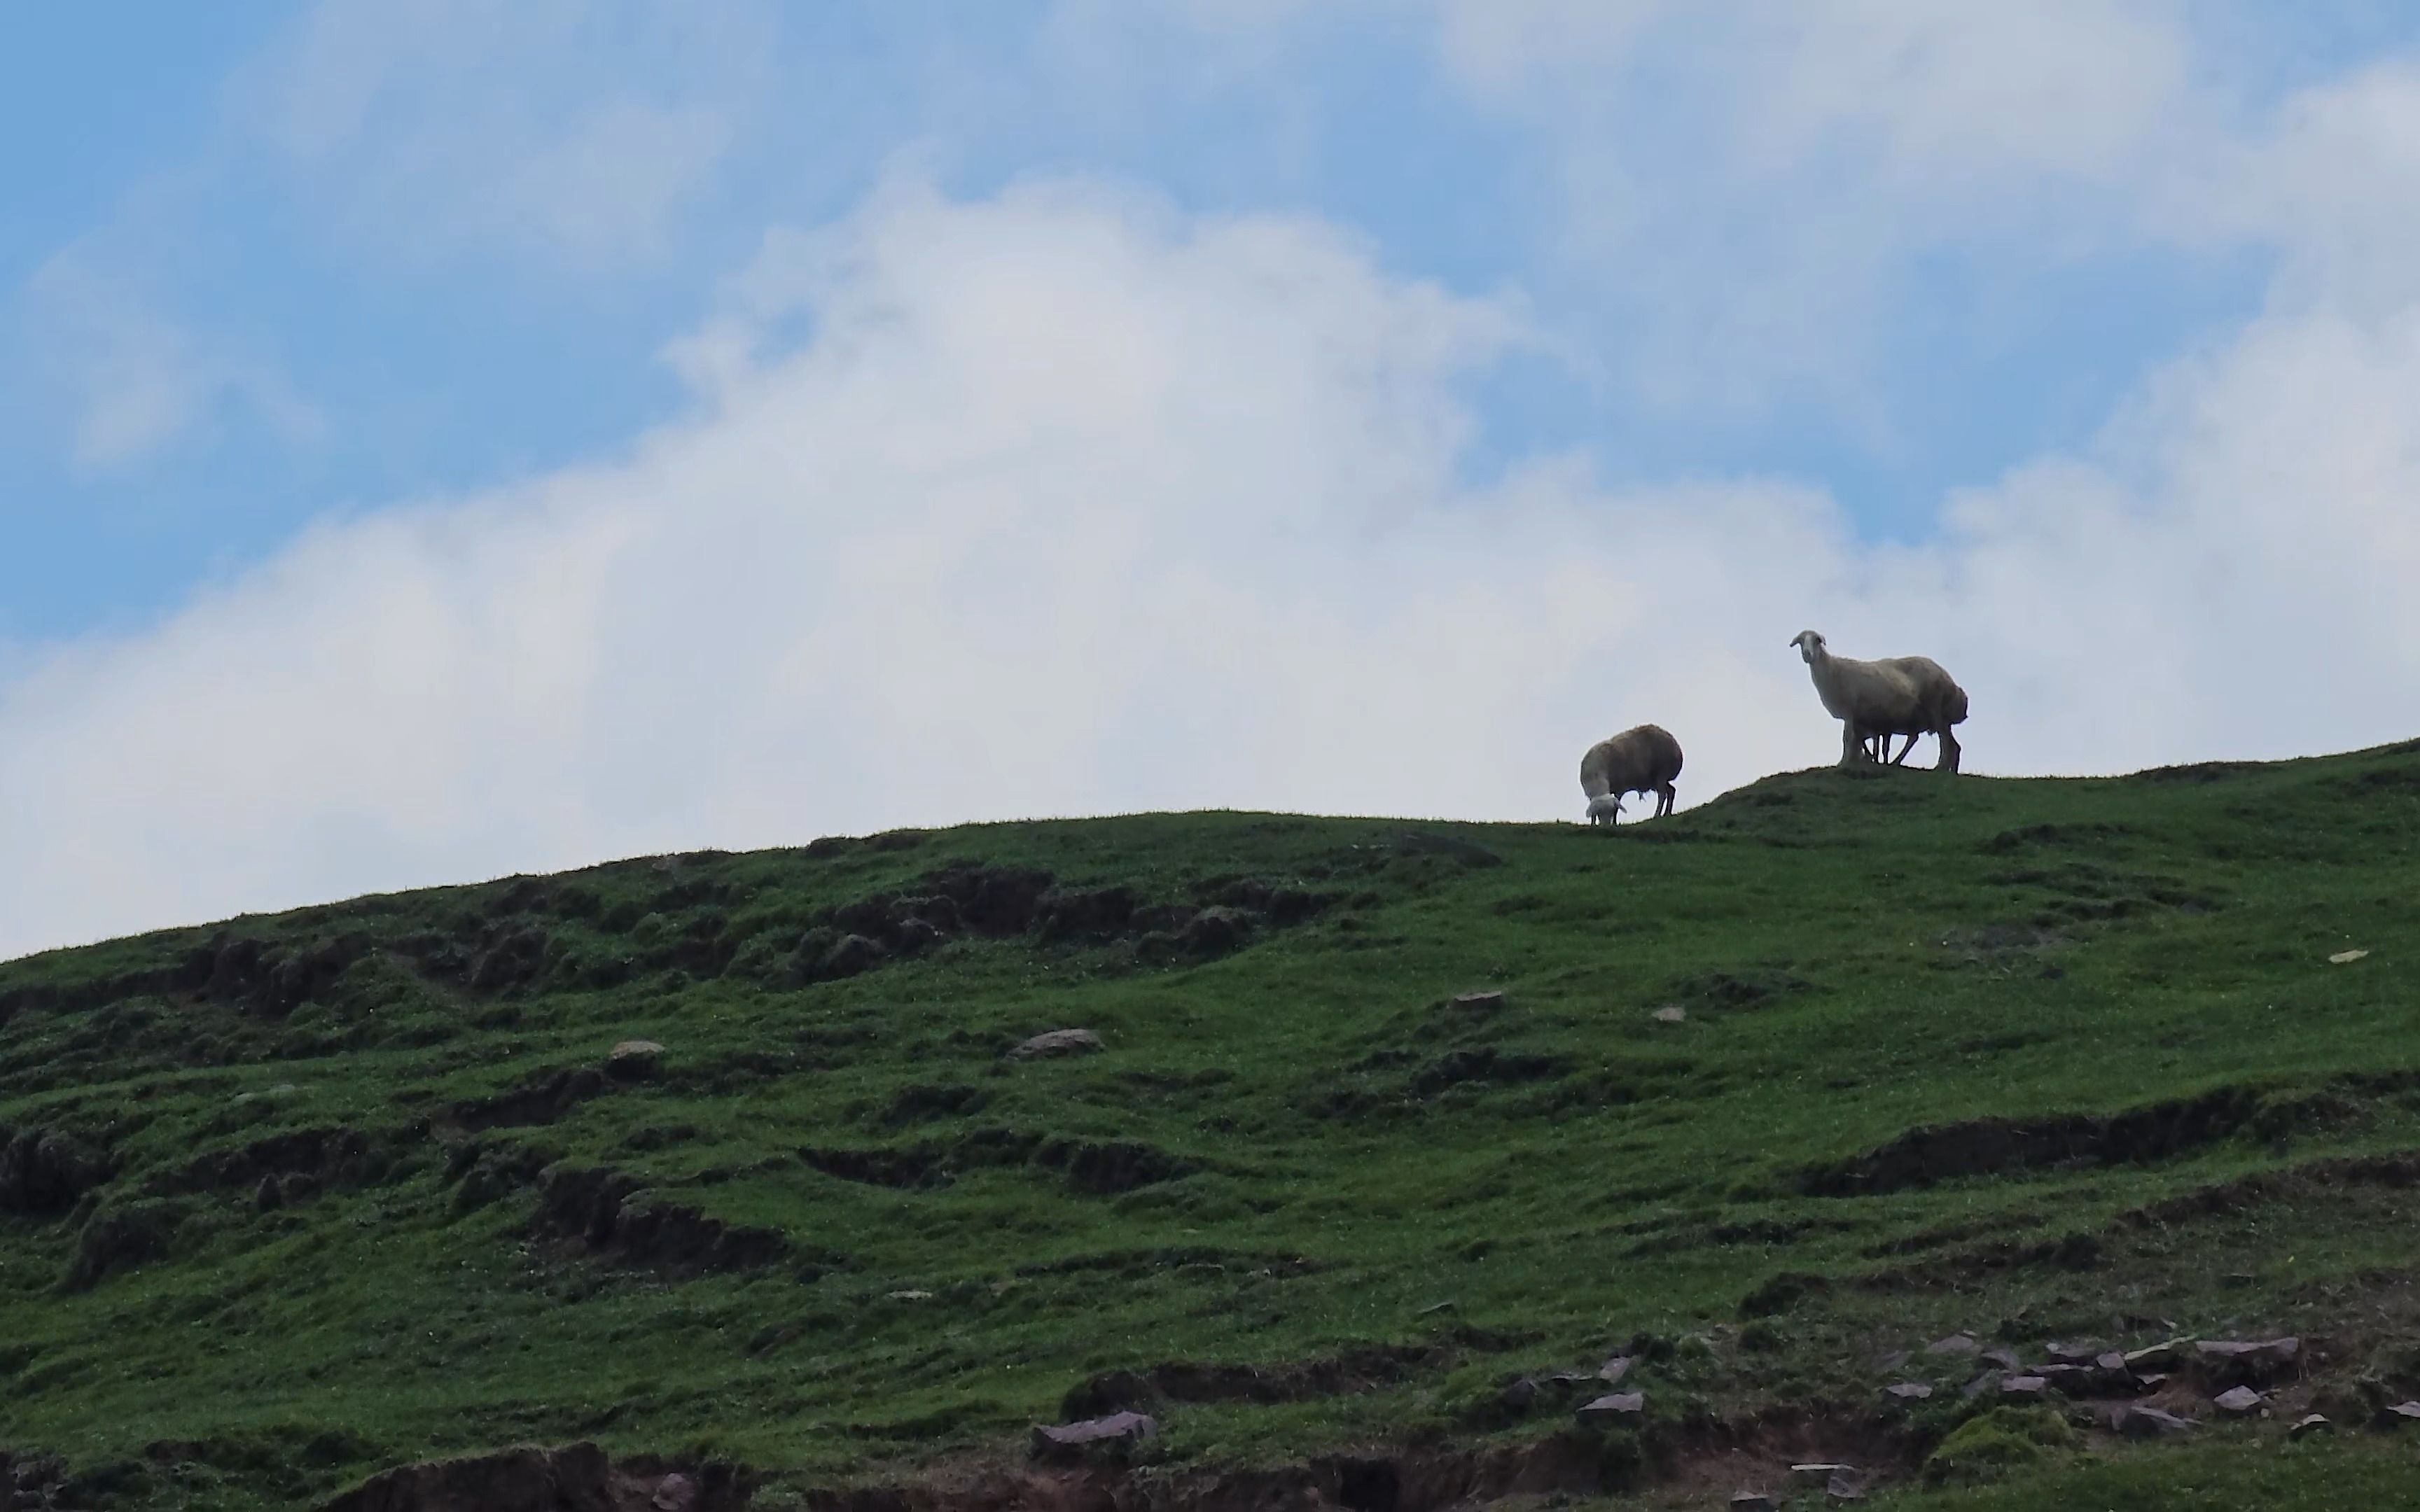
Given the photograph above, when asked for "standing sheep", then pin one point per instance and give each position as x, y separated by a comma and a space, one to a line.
1899, 696
1643, 759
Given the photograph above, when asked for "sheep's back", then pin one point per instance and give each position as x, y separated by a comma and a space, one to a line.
1936, 691
1643, 757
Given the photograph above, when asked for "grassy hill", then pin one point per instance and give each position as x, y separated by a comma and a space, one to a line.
1776, 1092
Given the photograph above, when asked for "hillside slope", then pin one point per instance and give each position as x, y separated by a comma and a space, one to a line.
288, 1200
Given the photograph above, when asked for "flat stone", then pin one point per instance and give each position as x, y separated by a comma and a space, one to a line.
2024, 1385
1958, 1344
1482, 1002
911, 1295
1116, 1430
635, 1050
1820, 1470
1671, 1013
2313, 1424
2409, 1411
1058, 1043
1754, 1502
2240, 1360
2114, 1361
2072, 1353
1614, 1370
1614, 1406
2346, 958
2005, 1360
2237, 1400
1845, 1486
1909, 1391
2137, 1422
2167, 1357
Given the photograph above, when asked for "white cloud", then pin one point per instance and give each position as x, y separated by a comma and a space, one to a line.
1071, 504
135, 380
569, 128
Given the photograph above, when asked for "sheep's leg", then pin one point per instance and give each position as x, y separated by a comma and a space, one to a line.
1902, 758
1948, 761
1852, 744
1664, 799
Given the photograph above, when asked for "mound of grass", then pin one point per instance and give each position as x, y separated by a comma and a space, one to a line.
1390, 1143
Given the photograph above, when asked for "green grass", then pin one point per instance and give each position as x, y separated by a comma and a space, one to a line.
1296, 1152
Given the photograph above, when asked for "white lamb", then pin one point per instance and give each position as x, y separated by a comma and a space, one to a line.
1642, 760
1876, 700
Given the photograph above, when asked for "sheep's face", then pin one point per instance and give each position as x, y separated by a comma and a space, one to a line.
1809, 646
1605, 808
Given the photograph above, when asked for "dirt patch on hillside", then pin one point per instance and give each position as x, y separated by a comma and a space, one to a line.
1930, 1155
1100, 1167
1703, 1454
541, 1100
1195, 1380
608, 1215
577, 1478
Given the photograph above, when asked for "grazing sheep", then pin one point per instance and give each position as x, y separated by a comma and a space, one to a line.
1644, 759
1907, 696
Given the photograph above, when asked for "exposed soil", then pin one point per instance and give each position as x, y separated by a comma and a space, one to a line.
1100, 1167
337, 1156
1194, 1381
539, 1101
577, 1478
45, 1172
1927, 1156
591, 1210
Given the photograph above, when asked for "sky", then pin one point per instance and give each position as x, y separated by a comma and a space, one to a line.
443, 438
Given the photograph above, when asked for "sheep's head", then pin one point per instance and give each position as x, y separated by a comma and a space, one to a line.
1809, 644
1605, 808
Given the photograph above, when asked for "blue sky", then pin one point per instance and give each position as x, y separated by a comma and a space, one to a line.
439, 367
1883, 311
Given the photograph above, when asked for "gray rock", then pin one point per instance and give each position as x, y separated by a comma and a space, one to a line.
1614, 1407
2137, 1422
2238, 1400
2165, 1357
2314, 1423
635, 1050
1482, 1002
1815, 1472
1671, 1013
2005, 1360
1845, 1484
1115, 1432
676, 1492
1980, 1385
1058, 1043
1614, 1370
2034, 1386
2408, 1411
1956, 1344
1754, 1501
2240, 1362
1909, 1391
